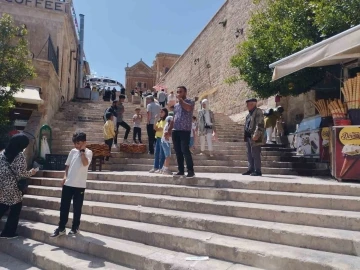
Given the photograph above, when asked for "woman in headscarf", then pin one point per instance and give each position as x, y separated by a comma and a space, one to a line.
206, 127
12, 168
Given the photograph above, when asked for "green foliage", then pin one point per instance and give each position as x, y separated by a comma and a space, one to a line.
15, 64
282, 27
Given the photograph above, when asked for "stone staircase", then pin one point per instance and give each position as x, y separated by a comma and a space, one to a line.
134, 220
230, 151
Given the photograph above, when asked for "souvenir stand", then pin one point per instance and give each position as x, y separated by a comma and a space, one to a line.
338, 130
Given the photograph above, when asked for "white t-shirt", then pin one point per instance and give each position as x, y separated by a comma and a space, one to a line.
77, 173
193, 128
166, 129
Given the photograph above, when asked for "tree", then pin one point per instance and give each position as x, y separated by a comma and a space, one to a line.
15, 64
282, 27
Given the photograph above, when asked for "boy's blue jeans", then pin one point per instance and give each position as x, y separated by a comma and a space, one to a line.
159, 155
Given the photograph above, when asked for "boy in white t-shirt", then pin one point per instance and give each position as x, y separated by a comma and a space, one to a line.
74, 184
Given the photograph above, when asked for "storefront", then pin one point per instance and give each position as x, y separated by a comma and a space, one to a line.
333, 135
27, 100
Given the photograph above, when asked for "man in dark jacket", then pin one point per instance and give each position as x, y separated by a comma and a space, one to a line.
254, 137
112, 109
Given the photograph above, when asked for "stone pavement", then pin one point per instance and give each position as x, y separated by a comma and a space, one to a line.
137, 220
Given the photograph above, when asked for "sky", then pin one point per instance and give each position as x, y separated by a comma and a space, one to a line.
118, 32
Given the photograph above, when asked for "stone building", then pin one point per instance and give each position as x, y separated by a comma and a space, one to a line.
205, 65
53, 43
139, 76
144, 77
163, 63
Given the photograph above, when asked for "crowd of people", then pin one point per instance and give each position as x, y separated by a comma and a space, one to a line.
172, 127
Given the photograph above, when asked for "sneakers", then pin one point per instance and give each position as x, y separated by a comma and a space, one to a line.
256, 173
126, 142
4, 236
190, 174
152, 170
58, 233
167, 172
179, 174
247, 173
74, 232
158, 171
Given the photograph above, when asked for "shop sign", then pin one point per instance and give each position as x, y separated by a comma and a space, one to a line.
350, 135
55, 5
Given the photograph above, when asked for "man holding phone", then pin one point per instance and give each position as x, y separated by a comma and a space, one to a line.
180, 129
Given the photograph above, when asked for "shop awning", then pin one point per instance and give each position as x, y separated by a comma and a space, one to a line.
339, 49
29, 95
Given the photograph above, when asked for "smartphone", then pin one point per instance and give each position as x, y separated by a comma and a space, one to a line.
36, 169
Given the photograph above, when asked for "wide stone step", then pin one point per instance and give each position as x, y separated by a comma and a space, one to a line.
225, 163
258, 254
283, 183
330, 240
48, 257
132, 254
227, 169
335, 219
346, 203
9, 262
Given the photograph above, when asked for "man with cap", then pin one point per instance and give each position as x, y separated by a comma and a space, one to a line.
254, 137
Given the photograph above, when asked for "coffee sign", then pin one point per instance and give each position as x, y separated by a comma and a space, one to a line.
55, 5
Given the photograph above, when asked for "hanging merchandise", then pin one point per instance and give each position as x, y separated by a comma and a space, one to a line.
44, 148
351, 92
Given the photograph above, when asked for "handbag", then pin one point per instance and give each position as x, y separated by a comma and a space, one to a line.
22, 183
206, 125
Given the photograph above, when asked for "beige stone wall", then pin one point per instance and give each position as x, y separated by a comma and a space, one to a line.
213, 48
55, 87
162, 64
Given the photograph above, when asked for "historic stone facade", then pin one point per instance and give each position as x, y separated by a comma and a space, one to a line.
205, 65
163, 63
53, 44
139, 76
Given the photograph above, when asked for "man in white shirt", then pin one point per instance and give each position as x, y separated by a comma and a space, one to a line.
153, 111
74, 184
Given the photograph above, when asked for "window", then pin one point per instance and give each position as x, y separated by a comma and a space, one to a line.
167, 70
144, 85
139, 84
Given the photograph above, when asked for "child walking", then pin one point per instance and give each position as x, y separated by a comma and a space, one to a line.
74, 184
137, 118
109, 132
166, 146
159, 152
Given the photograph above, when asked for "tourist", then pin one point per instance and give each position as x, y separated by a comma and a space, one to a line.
171, 99
74, 184
153, 111
12, 168
181, 131
120, 121
159, 152
122, 91
206, 127
132, 92
137, 119
254, 135
112, 109
109, 132
193, 133
166, 147
113, 94
162, 98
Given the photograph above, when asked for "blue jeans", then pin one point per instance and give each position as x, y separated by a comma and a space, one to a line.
159, 155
